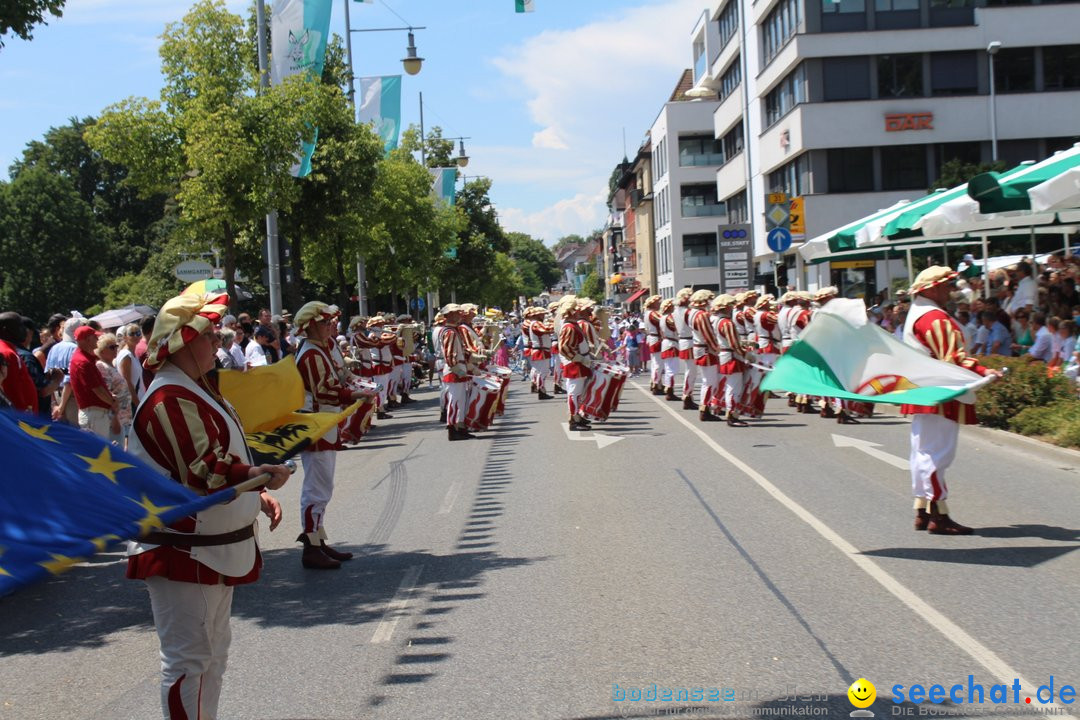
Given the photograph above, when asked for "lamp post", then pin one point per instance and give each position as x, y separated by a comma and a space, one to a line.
273, 262
462, 159
991, 51
412, 64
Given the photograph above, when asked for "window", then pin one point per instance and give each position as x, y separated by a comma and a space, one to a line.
790, 92
700, 201
728, 21
779, 26
792, 178
851, 169
846, 78
895, 5
736, 207
699, 250
903, 167
699, 150
731, 78
732, 143
952, 13
1014, 70
899, 76
896, 14
1061, 67
660, 158
699, 59
968, 153
954, 73
843, 15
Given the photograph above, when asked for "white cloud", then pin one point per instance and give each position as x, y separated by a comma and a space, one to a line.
582, 87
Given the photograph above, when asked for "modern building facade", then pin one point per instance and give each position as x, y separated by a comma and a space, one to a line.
855, 105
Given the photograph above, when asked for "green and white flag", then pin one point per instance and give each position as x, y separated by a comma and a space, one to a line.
444, 184
380, 105
523, 6
842, 355
298, 33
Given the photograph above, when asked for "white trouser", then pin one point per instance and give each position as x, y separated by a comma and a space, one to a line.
710, 385
96, 420
689, 378
457, 395
384, 388
933, 448
732, 391
671, 368
654, 367
575, 389
542, 370
318, 487
192, 623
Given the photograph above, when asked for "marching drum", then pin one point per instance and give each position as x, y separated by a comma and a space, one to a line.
504, 375
602, 390
483, 398
360, 422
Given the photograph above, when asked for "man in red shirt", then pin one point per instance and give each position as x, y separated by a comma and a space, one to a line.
88, 386
18, 386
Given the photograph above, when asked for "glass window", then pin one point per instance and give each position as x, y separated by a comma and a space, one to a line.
896, 14
700, 201
699, 60
846, 78
851, 169
899, 76
954, 73
699, 250
790, 92
903, 167
736, 207
792, 178
843, 15
732, 143
1061, 67
731, 78
699, 150
895, 5
728, 21
779, 26
1014, 70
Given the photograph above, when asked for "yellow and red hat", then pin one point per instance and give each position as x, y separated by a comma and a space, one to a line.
180, 321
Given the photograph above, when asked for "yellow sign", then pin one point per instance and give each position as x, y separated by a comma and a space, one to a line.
798, 220
851, 264
777, 198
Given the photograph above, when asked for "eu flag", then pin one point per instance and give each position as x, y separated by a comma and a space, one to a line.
67, 494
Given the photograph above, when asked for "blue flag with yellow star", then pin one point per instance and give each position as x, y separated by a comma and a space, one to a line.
67, 494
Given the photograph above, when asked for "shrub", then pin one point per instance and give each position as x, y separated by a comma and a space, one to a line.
1027, 385
1048, 420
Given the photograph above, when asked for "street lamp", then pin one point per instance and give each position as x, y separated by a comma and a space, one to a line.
992, 50
462, 159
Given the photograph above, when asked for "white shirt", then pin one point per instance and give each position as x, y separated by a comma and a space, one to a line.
1024, 295
1043, 347
255, 356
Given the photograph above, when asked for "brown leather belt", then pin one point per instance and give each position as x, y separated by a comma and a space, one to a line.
155, 537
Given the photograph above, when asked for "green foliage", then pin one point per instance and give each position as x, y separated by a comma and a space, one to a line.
1026, 385
593, 286
957, 172
50, 252
438, 151
20, 16
535, 263
566, 240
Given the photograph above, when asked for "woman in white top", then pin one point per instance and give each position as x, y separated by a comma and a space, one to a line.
120, 425
128, 337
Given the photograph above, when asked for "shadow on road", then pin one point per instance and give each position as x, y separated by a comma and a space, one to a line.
1025, 557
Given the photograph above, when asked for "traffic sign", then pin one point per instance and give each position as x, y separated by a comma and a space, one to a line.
779, 239
798, 220
219, 273
190, 271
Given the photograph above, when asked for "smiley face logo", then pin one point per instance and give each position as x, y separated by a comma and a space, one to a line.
862, 693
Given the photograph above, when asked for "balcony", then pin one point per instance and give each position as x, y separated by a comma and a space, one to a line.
700, 159
710, 210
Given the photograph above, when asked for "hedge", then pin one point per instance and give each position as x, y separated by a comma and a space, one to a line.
1031, 401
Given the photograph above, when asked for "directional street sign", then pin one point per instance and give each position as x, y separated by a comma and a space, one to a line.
779, 239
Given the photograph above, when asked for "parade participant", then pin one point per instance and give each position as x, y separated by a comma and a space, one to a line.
745, 318
935, 429
438, 327
732, 360
528, 314
767, 333
382, 362
832, 407
323, 392
737, 317
541, 354
456, 372
556, 364
650, 319
686, 343
403, 361
575, 357
586, 320
669, 347
705, 352
187, 431
360, 345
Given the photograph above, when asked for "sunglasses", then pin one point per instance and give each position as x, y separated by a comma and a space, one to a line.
135, 334
112, 347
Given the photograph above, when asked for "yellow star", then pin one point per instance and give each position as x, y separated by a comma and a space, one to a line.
104, 541
59, 563
103, 464
41, 433
151, 520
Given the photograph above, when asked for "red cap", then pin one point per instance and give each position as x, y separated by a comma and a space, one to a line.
84, 332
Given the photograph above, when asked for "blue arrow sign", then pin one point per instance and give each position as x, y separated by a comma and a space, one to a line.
779, 239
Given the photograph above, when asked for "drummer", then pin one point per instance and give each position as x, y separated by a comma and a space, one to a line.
576, 359
456, 372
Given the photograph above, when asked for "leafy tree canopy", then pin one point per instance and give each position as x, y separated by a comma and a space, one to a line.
18, 17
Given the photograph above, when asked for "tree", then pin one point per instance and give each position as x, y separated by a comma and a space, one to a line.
481, 238
438, 151
50, 252
20, 16
224, 147
535, 263
567, 240
957, 172
593, 286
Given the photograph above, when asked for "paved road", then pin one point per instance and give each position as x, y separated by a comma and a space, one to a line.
534, 575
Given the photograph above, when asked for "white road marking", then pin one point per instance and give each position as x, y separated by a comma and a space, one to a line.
451, 496
395, 609
871, 449
602, 440
950, 630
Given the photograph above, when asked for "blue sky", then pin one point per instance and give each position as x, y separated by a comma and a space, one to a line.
543, 96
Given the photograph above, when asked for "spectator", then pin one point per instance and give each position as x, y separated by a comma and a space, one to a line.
963, 316
108, 348
5, 404
633, 348
1063, 340
127, 362
95, 401
50, 335
146, 326
60, 357
249, 334
229, 354
1042, 349
265, 320
285, 340
1022, 333
45, 384
228, 322
263, 350
1026, 291
17, 385
1072, 367
996, 340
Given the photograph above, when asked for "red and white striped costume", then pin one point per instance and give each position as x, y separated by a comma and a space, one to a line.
730, 367
455, 374
669, 349
651, 322
705, 353
574, 349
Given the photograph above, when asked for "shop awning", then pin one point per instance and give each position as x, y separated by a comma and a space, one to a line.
636, 295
